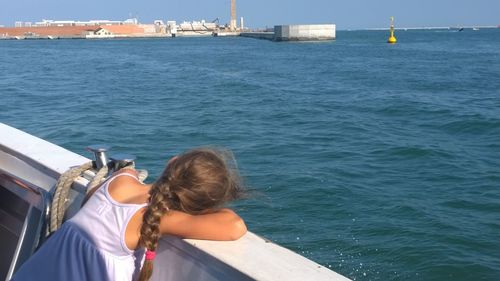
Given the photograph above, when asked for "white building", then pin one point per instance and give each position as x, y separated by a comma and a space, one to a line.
99, 33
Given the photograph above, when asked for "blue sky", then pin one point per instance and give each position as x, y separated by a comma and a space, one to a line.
347, 14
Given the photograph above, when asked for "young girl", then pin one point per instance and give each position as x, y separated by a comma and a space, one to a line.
106, 239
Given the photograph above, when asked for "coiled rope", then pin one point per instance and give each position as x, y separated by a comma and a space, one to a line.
99, 177
63, 185
60, 199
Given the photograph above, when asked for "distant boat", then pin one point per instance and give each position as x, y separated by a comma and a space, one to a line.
475, 28
461, 29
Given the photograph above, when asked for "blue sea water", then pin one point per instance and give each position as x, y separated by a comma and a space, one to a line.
381, 162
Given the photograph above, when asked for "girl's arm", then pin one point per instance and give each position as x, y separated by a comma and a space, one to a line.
222, 225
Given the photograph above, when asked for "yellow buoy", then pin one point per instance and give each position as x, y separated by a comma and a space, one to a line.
392, 38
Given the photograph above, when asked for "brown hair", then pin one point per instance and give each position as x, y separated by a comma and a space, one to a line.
194, 182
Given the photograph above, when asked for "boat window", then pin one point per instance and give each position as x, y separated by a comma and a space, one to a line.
13, 211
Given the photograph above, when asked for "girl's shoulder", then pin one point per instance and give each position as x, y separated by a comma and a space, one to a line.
128, 173
124, 187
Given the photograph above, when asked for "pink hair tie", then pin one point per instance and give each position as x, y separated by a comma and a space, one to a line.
150, 255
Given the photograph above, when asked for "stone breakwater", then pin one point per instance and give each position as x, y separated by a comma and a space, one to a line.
310, 32
82, 32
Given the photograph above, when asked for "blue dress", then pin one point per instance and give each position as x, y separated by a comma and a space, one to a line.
90, 246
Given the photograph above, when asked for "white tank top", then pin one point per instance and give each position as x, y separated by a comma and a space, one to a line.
105, 220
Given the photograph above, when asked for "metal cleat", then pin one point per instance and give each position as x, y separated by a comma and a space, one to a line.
99, 151
122, 160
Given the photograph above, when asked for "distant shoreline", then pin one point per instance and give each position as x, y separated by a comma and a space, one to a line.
425, 28
154, 31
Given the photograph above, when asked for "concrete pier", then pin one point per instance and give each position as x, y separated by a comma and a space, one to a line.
310, 32
258, 35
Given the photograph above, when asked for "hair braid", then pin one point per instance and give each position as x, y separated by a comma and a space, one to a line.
150, 229
193, 182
